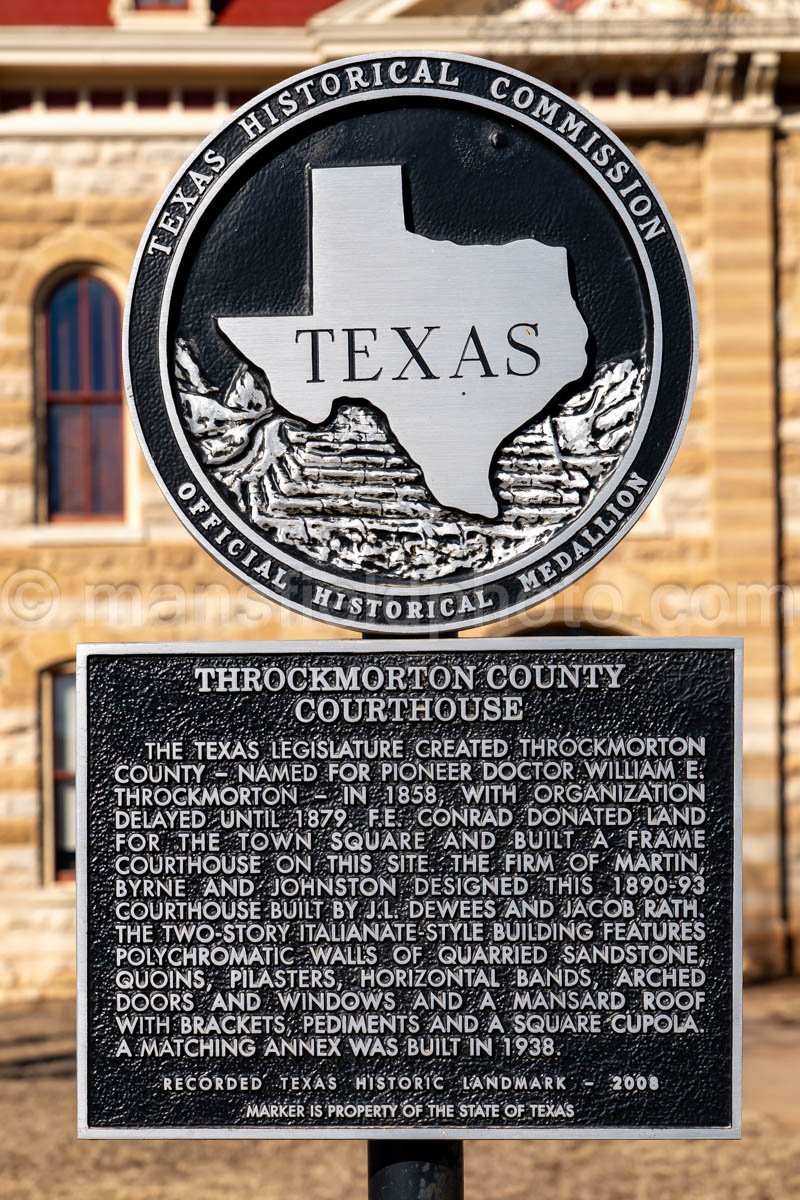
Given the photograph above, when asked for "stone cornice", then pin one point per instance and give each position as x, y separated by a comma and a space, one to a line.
732, 78
43, 47
611, 38
133, 49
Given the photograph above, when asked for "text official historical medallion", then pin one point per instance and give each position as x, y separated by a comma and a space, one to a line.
410, 342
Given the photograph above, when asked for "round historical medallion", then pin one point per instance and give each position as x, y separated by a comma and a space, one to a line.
410, 342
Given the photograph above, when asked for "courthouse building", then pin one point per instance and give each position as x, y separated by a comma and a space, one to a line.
101, 100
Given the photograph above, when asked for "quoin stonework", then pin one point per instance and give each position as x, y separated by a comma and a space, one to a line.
98, 111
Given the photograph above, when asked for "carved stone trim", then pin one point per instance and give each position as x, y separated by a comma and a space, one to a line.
718, 84
759, 86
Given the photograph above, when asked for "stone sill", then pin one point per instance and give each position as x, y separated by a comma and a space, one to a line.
80, 534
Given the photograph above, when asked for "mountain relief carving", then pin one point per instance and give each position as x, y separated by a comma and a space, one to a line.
345, 494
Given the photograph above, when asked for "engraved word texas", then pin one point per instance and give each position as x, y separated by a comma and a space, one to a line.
492, 332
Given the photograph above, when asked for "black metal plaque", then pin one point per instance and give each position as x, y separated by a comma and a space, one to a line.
480, 888
410, 342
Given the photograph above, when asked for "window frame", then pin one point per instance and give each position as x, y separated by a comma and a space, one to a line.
197, 14
50, 774
45, 397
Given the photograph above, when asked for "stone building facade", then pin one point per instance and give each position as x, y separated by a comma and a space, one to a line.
100, 101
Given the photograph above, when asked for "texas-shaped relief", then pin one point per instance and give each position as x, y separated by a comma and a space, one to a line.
457, 345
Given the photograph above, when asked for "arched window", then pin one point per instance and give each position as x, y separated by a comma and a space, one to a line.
83, 403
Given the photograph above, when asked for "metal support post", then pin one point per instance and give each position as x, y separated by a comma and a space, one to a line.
421, 1170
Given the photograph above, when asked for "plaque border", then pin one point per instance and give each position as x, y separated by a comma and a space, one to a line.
86, 650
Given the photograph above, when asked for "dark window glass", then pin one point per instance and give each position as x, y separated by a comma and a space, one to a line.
106, 99
152, 99
66, 458
85, 475
198, 98
237, 98
60, 99
9, 101
64, 372
104, 347
106, 454
162, 4
63, 692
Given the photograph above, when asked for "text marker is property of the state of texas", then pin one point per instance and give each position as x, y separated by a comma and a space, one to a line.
395, 342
